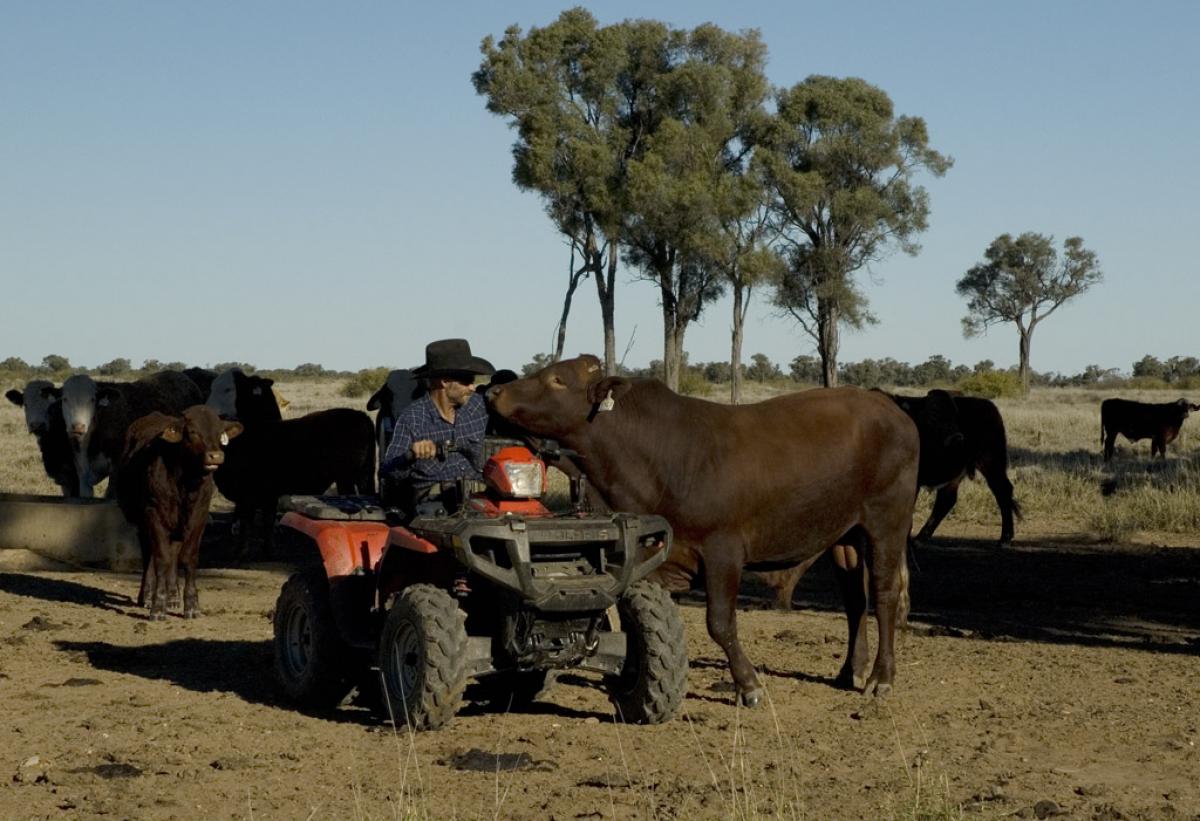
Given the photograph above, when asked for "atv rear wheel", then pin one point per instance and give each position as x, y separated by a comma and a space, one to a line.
653, 680
422, 657
312, 664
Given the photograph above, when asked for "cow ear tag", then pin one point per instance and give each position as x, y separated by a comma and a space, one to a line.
103, 402
224, 439
607, 403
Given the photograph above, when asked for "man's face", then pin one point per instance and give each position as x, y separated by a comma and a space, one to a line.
459, 389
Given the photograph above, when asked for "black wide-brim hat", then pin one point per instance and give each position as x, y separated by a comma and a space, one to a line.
447, 356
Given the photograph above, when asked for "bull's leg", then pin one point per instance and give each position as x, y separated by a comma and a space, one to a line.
1110, 441
722, 575
851, 575
165, 557
147, 588
943, 503
1158, 446
1002, 489
189, 556
887, 589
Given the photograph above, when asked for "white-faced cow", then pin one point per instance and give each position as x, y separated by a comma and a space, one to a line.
774, 483
97, 415
44, 419
248, 398
1160, 423
165, 489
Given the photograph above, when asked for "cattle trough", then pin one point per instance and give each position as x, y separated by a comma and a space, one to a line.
87, 532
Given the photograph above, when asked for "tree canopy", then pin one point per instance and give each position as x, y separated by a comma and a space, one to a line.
1022, 280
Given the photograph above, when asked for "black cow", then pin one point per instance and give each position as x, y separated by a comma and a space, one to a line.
1160, 423
959, 435
399, 391
44, 419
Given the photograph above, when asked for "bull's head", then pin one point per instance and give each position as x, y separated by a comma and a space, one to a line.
81, 398
36, 399
559, 399
199, 432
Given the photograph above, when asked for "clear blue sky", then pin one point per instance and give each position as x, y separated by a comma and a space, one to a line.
282, 183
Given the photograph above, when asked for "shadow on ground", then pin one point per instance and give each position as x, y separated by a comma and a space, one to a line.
1061, 591
52, 589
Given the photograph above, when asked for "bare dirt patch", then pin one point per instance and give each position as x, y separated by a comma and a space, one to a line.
1052, 678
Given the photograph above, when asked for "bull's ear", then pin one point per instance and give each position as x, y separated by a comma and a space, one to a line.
149, 428
16, 397
50, 390
610, 387
232, 429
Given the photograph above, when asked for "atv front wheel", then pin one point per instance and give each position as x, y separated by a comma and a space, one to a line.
653, 680
312, 663
422, 657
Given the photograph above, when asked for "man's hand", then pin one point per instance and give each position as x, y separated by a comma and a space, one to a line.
423, 449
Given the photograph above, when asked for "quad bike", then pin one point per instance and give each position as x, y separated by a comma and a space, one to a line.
486, 603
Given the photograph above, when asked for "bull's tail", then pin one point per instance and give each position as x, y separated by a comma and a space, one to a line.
1102, 430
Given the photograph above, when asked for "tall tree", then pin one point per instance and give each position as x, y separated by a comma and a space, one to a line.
1023, 281
840, 165
710, 86
568, 91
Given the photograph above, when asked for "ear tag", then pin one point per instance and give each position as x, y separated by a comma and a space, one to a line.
224, 439
103, 402
256, 391
607, 403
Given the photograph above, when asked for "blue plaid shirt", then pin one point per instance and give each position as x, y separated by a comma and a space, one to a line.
421, 420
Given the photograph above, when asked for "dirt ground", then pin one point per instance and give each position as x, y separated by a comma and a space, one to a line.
1051, 679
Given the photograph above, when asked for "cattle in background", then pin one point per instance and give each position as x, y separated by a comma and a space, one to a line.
1160, 423
250, 399
97, 415
165, 489
35, 400
275, 457
959, 436
44, 419
203, 378
399, 391
775, 483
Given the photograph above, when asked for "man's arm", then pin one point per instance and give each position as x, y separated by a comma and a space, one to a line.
397, 459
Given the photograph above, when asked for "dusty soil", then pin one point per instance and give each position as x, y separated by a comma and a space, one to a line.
1055, 678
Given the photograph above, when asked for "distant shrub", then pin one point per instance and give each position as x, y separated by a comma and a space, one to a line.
364, 383
992, 385
693, 383
1147, 383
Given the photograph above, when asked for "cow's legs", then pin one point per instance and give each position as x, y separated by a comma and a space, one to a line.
189, 556
1110, 441
943, 503
166, 555
887, 574
1002, 489
1158, 446
851, 577
722, 575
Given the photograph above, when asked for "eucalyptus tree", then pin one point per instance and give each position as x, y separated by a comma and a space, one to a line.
1022, 280
690, 204
568, 91
840, 165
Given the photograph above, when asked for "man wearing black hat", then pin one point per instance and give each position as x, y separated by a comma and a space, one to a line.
413, 473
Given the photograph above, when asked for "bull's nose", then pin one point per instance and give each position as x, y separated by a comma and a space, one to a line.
214, 458
78, 430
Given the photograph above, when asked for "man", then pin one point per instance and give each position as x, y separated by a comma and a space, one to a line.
413, 474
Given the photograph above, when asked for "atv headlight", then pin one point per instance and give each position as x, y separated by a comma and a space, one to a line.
524, 479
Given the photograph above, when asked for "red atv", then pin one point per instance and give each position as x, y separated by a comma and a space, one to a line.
499, 595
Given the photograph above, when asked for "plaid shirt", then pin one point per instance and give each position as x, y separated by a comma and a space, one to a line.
421, 420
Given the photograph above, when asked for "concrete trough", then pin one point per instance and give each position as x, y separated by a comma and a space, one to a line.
80, 532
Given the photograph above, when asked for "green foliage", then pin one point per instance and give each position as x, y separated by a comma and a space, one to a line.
364, 383
806, 369
693, 383
840, 165
245, 367
55, 363
992, 385
540, 360
15, 364
762, 369
116, 367
310, 370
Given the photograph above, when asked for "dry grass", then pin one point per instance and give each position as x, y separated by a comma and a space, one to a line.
1061, 481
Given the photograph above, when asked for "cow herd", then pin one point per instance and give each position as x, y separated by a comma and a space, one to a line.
770, 486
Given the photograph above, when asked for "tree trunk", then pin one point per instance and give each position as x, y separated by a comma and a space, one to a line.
735, 349
573, 278
827, 342
1023, 361
606, 290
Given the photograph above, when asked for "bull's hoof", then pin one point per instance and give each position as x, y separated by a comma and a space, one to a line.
1006, 542
849, 680
751, 698
158, 615
194, 613
878, 689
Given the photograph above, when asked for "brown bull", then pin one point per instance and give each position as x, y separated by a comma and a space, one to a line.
775, 483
